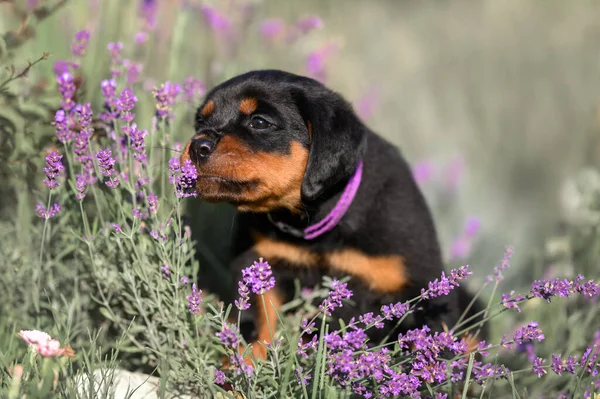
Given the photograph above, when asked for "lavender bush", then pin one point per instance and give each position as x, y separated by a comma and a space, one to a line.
100, 271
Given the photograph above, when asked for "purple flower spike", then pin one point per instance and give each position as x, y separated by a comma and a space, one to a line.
243, 302
80, 43
125, 104
194, 300
133, 71
53, 168
444, 285
306, 24
152, 200
271, 29
63, 133
106, 164
219, 377
187, 180
84, 112
339, 291
80, 184
530, 332
229, 335
423, 172
137, 141
115, 58
148, 10
259, 277
316, 61
53, 211
193, 89
216, 21
165, 99
67, 89
502, 266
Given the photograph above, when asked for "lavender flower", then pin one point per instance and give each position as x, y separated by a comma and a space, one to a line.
62, 66
215, 20
271, 29
81, 146
80, 183
588, 288
115, 58
148, 10
339, 291
187, 180
308, 23
538, 367
193, 89
512, 303
243, 302
183, 281
502, 266
395, 311
67, 89
53, 168
219, 377
194, 300
302, 379
315, 62
132, 71
422, 172
259, 277
229, 335
530, 332
105, 164
444, 285
63, 133
137, 141
549, 288
174, 169
166, 273
165, 99
117, 227
84, 114
125, 104
47, 214
152, 201
80, 43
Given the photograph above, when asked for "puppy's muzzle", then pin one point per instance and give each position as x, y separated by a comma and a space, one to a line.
201, 148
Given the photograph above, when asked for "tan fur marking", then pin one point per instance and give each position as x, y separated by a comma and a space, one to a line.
382, 273
248, 105
208, 108
279, 176
309, 126
185, 155
266, 322
271, 249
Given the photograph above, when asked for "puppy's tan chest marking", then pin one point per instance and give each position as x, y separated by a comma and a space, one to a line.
385, 274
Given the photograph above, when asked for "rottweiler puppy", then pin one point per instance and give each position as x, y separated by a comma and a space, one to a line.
318, 193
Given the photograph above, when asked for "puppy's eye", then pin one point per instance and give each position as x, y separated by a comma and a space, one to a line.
259, 123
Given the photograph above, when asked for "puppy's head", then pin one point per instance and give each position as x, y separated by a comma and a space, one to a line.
269, 140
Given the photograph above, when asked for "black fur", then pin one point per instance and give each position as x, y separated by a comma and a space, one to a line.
389, 215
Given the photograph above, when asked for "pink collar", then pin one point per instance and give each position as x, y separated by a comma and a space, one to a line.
334, 217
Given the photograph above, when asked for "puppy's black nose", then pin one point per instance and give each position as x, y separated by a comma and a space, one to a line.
200, 149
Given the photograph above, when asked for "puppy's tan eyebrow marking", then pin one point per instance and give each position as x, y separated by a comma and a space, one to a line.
208, 108
248, 105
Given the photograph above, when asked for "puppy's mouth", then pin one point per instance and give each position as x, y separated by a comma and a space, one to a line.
215, 188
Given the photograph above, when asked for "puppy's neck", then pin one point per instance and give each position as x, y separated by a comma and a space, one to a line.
312, 211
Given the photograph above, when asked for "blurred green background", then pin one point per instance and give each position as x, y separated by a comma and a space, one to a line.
508, 89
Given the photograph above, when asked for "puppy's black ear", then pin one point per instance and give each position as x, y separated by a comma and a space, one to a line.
338, 139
